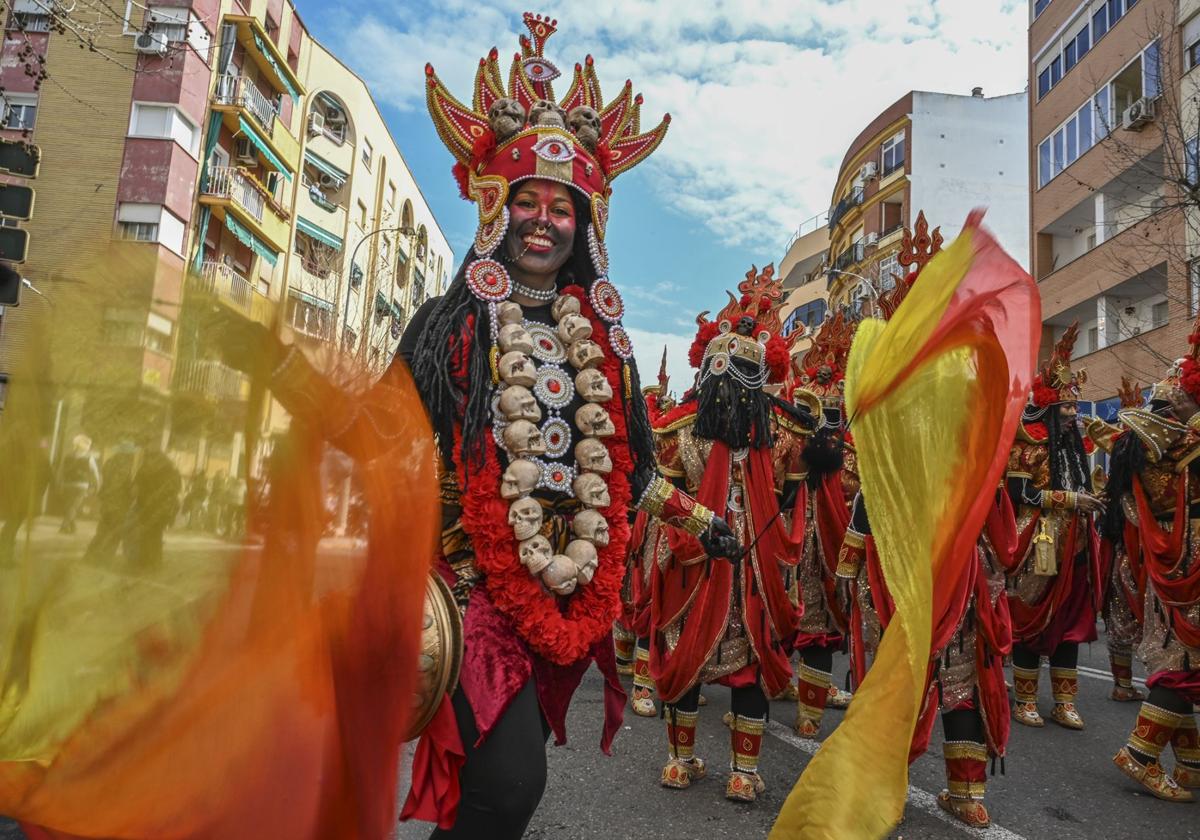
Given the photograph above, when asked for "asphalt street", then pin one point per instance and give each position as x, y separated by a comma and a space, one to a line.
1058, 785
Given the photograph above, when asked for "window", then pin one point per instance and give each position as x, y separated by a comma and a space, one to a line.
362, 214
140, 231
367, 153
1085, 128
1103, 115
310, 316
1039, 6
271, 25
1044, 164
1194, 288
1059, 150
889, 269
356, 275
418, 288
385, 250
1151, 85
1191, 160
1080, 35
165, 122
1191, 42
1069, 56
893, 153
1093, 339
391, 194
170, 24
1043, 83
401, 266
30, 15
20, 112
1072, 130
1099, 23
1158, 314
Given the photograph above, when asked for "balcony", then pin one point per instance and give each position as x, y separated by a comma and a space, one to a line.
210, 380
241, 92
262, 51
223, 283
854, 199
229, 190
852, 255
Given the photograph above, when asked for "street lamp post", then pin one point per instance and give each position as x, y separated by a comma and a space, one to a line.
404, 230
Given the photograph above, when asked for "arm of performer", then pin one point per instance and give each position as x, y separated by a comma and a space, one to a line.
1022, 491
854, 543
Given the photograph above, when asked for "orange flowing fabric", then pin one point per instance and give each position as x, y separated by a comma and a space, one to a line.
934, 396
228, 688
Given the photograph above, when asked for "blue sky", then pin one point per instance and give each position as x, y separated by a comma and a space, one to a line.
765, 97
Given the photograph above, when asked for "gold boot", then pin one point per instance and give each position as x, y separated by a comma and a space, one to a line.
745, 744
642, 698
682, 768
1151, 777
1064, 685
1025, 689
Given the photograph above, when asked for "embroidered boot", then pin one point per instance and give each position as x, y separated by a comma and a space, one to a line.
682, 768
745, 742
814, 696
1138, 759
1123, 691
1064, 685
642, 699
966, 780
1185, 743
838, 698
623, 642
1025, 690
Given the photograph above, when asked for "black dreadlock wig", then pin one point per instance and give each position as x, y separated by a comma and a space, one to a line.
452, 400
728, 411
1068, 459
1127, 461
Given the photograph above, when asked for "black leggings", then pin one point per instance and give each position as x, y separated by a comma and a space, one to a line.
749, 701
1066, 655
504, 778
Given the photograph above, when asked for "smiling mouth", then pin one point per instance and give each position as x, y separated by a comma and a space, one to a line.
537, 243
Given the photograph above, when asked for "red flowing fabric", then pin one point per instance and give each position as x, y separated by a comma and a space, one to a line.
1184, 683
1163, 555
1030, 620
439, 757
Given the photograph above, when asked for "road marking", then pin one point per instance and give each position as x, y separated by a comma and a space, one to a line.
1097, 674
920, 799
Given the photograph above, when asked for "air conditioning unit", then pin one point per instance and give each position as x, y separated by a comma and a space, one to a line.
244, 151
327, 181
316, 123
869, 170
871, 238
1138, 114
151, 43
334, 116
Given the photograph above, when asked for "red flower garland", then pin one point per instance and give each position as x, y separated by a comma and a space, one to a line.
562, 636
1189, 377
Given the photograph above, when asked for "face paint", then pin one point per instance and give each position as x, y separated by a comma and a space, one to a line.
541, 228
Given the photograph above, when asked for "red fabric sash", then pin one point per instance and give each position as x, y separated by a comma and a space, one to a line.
1001, 529
1163, 557
1029, 620
435, 791
832, 518
1184, 683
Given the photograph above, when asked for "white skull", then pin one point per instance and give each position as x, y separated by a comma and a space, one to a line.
506, 117
517, 403
593, 455
525, 517
509, 313
585, 124
585, 354
561, 575
563, 306
592, 386
592, 490
516, 369
590, 525
535, 554
545, 112
515, 337
523, 438
583, 554
519, 479
572, 328
593, 420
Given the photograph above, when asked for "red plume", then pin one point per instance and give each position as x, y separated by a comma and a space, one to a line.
779, 360
707, 332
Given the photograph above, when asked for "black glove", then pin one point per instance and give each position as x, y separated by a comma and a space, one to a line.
719, 540
242, 343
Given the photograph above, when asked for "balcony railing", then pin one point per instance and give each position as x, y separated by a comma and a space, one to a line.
238, 90
840, 209
806, 227
220, 280
853, 254
227, 182
210, 379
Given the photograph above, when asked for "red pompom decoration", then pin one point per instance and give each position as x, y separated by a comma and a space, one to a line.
705, 334
463, 178
1044, 395
604, 156
778, 359
1189, 378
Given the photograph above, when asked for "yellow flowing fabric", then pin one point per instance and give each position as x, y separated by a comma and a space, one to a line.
174, 683
934, 396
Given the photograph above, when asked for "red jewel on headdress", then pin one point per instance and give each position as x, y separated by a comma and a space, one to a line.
488, 281
554, 386
606, 300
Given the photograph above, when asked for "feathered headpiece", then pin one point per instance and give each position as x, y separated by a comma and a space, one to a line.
1056, 382
519, 131
758, 340
823, 368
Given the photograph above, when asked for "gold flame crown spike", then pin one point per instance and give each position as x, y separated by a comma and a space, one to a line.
1130, 393
917, 248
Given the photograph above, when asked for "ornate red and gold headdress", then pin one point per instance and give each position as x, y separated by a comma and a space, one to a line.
517, 132
1130, 393
1185, 373
1056, 382
718, 342
917, 248
823, 368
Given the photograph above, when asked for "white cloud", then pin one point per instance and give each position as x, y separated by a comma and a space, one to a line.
765, 95
648, 349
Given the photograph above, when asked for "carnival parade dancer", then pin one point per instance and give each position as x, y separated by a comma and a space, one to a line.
831, 485
970, 640
741, 451
1054, 595
1155, 483
529, 380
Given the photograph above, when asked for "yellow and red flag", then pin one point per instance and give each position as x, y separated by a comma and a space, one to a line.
934, 395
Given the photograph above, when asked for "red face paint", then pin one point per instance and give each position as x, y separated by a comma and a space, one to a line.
541, 227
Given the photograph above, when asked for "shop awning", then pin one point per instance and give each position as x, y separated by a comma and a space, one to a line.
250, 131
318, 233
283, 77
309, 299
328, 168
382, 305
247, 238
396, 313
